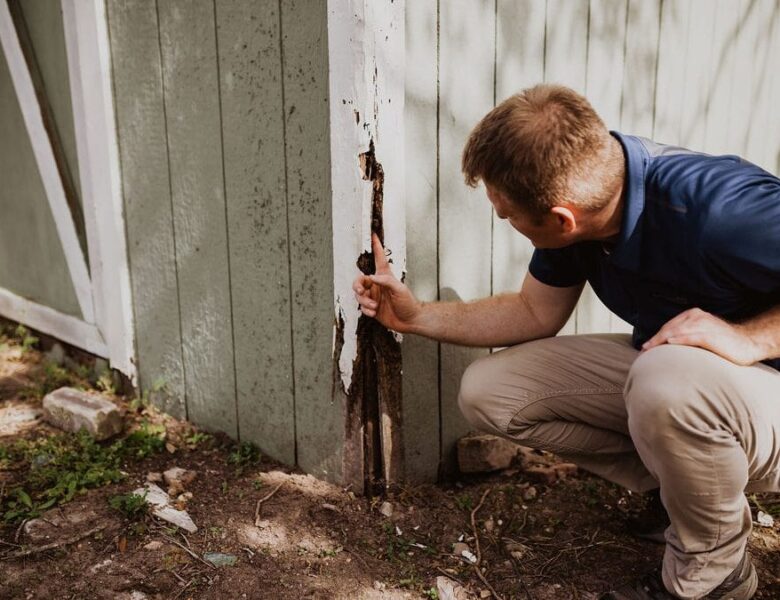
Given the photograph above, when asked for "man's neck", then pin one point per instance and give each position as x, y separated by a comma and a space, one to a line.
606, 223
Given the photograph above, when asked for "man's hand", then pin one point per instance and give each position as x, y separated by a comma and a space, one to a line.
696, 327
385, 298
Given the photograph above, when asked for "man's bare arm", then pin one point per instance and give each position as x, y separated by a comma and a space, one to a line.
744, 343
537, 311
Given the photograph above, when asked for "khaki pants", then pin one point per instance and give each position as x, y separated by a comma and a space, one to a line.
702, 428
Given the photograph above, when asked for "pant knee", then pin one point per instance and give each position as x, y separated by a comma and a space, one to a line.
475, 398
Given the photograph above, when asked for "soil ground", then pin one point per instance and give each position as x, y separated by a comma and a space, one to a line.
315, 540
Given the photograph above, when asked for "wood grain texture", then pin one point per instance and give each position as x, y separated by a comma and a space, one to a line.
672, 56
319, 420
565, 59
191, 94
140, 115
519, 64
466, 94
603, 88
421, 356
250, 68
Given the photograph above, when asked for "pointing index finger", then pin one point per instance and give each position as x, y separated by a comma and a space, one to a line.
379, 253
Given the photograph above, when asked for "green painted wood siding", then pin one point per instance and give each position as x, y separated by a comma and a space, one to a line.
222, 115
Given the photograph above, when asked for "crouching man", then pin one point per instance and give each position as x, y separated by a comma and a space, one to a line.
686, 248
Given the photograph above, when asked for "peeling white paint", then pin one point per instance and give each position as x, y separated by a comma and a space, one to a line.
366, 60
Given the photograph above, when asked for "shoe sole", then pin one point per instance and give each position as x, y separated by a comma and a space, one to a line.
746, 589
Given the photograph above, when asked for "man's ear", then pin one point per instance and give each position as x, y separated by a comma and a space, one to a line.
565, 218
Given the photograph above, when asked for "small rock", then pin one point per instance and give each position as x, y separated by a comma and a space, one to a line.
530, 493
459, 547
485, 594
386, 509
553, 473
516, 550
154, 545
490, 525
95, 568
154, 477
162, 509
178, 479
15, 418
765, 520
219, 559
72, 410
450, 590
484, 453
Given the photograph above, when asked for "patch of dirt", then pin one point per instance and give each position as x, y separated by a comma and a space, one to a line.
317, 541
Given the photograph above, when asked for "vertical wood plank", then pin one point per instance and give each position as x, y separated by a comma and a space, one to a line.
641, 56
761, 116
253, 132
672, 56
519, 65
724, 42
191, 93
420, 355
697, 75
604, 82
140, 116
466, 94
773, 134
566, 63
741, 107
319, 420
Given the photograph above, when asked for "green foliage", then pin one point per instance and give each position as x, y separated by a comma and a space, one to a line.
464, 502
27, 340
133, 506
54, 376
57, 468
245, 454
145, 441
197, 438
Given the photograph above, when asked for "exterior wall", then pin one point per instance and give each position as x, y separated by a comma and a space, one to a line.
223, 121
241, 129
692, 72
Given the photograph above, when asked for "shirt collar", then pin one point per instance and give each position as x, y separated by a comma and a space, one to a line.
626, 253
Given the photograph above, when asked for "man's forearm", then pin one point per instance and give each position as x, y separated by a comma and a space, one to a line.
764, 331
502, 320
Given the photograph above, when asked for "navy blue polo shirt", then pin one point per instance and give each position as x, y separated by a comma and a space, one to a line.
697, 231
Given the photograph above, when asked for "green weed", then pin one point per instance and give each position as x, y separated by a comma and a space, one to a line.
132, 506
245, 454
57, 468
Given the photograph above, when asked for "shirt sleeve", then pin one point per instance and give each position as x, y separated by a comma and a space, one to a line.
558, 267
742, 247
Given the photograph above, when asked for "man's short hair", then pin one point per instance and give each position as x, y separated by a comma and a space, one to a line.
541, 147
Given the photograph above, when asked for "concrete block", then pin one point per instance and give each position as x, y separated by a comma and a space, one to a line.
484, 453
72, 410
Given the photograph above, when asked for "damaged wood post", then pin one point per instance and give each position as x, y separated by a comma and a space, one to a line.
376, 382
366, 52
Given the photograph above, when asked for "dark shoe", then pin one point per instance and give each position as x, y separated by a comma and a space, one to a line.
651, 523
741, 584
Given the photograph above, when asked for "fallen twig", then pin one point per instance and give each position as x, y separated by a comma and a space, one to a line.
479, 551
263, 499
53, 545
190, 552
